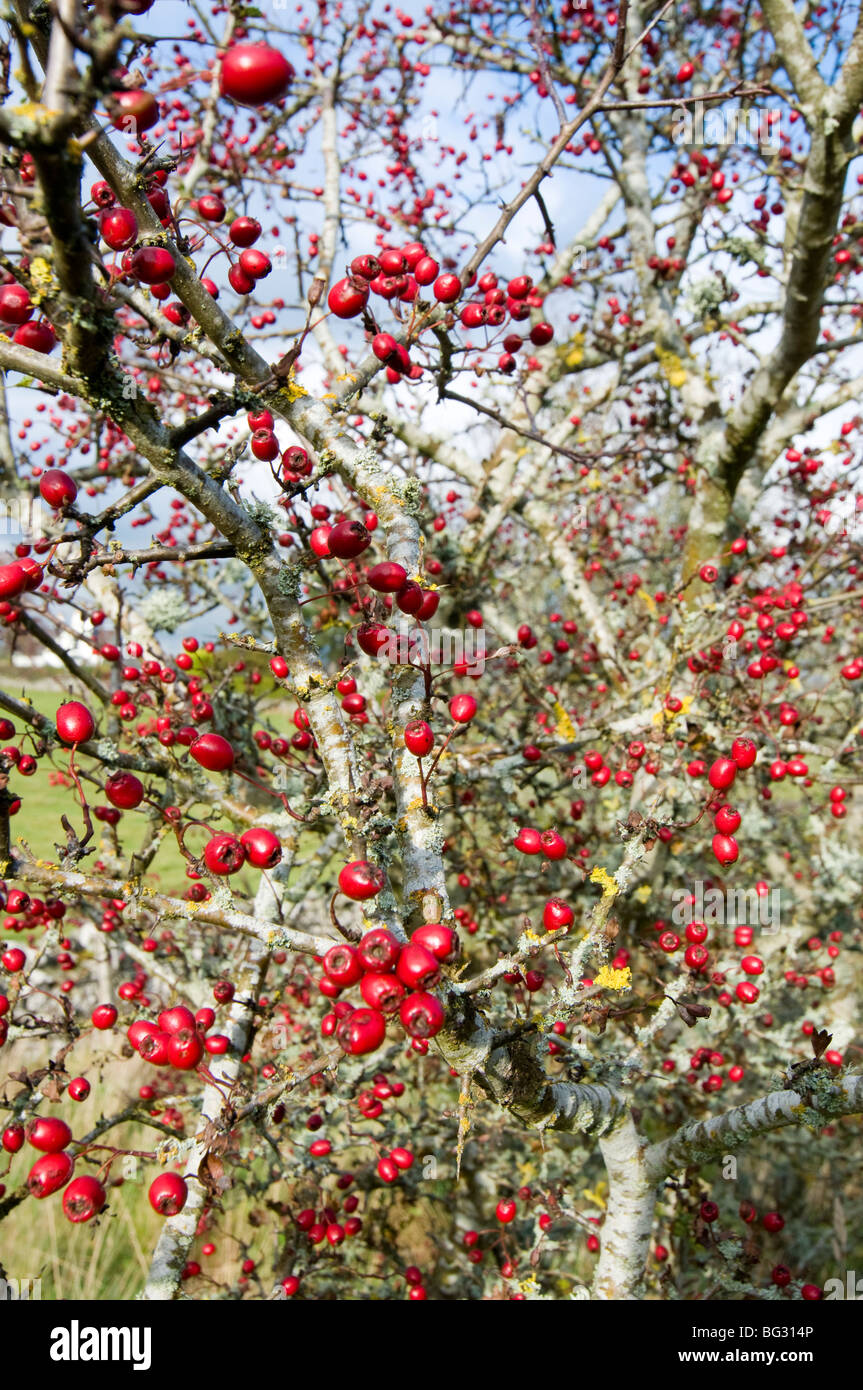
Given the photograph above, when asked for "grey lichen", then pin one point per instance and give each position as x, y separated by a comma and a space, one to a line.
164, 609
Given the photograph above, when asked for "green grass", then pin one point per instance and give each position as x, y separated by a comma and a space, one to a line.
45, 799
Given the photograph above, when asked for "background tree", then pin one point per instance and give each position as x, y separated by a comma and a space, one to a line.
535, 325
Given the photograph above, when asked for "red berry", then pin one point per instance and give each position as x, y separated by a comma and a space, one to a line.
137, 111
57, 488
49, 1174
13, 1138
387, 577
48, 1134
725, 848
342, 963
463, 708
152, 265
557, 914
440, 940
361, 880
75, 723
362, 1031
744, 752
119, 228
168, 1193
244, 231
347, 539
722, 774
422, 1015
253, 74
417, 968
347, 298
378, 950
382, 992
447, 288
124, 790
263, 848
419, 738
104, 1016
83, 1199
224, 854
213, 752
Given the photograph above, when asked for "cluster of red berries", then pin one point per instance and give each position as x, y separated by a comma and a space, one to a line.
179, 1039
393, 978
84, 1197
16, 309
26, 913
726, 819
773, 1222
399, 273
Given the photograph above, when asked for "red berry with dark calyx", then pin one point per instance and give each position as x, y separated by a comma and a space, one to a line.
224, 854
382, 992
48, 1174
744, 752
348, 539
124, 790
167, 1194
361, 1032
48, 1134
348, 298
343, 965
185, 1050
83, 1199
417, 968
263, 848
439, 940
361, 880
421, 1015
378, 950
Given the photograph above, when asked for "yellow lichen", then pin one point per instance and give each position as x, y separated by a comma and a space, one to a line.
609, 978
565, 729
604, 879
576, 353
672, 367
596, 1197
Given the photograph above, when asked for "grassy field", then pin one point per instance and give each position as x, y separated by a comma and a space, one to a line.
45, 800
